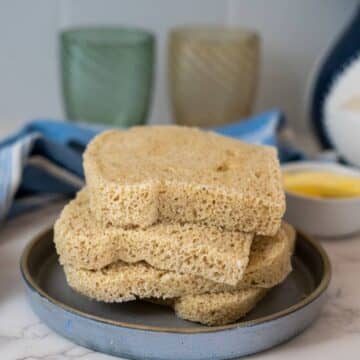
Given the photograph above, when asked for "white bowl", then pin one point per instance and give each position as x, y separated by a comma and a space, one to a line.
318, 216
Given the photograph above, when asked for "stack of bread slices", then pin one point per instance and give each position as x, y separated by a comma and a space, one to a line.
177, 216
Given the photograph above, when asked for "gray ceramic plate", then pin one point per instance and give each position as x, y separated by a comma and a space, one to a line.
139, 330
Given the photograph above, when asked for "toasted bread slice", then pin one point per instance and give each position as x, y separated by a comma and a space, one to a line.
200, 250
175, 174
270, 263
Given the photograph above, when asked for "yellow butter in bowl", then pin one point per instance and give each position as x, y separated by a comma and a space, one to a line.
324, 184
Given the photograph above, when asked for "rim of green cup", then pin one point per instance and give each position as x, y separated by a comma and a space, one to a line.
107, 35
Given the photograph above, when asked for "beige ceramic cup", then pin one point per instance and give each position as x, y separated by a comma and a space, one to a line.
213, 73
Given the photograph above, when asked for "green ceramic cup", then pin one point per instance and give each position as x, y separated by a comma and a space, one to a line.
107, 74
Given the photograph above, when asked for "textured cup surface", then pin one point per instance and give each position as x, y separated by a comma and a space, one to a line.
107, 74
213, 74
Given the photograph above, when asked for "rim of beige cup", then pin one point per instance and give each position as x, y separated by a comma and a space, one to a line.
215, 33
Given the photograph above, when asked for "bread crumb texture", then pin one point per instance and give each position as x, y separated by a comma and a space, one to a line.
206, 251
214, 309
270, 263
152, 174
218, 309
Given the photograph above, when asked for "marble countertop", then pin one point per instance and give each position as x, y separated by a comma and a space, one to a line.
335, 334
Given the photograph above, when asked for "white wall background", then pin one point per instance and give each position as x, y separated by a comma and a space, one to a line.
295, 33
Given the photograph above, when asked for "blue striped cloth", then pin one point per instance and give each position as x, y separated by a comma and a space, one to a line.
43, 161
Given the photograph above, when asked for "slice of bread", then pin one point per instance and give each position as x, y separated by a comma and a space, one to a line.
217, 309
270, 263
214, 309
177, 174
205, 251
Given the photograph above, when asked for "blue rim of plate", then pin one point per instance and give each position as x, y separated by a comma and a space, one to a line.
320, 289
